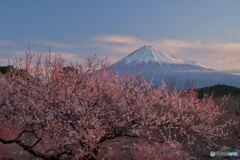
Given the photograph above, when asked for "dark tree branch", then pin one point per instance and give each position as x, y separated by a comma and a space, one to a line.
27, 148
34, 152
7, 141
237, 133
115, 135
39, 140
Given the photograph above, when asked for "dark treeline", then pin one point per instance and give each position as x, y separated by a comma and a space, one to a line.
6, 69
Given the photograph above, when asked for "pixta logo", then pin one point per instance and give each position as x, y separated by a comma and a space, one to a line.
225, 151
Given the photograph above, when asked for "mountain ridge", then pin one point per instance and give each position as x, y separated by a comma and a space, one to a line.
151, 63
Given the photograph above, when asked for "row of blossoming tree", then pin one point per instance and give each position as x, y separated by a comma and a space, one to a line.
85, 112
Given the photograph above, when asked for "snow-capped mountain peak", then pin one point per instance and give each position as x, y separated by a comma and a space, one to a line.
153, 64
150, 54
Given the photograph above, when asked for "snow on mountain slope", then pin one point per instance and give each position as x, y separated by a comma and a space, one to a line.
149, 53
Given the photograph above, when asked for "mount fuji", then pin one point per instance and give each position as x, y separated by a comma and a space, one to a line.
152, 63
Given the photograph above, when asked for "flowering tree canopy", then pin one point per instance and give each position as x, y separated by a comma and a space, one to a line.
60, 112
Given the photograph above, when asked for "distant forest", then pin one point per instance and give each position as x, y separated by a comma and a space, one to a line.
219, 90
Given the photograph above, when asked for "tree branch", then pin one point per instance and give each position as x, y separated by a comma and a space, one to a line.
27, 148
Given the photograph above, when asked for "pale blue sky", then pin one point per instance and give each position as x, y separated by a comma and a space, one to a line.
207, 31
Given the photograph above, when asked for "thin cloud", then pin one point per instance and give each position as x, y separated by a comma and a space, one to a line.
54, 44
216, 55
126, 43
117, 39
4, 61
19, 54
224, 47
7, 43
66, 56
173, 46
11, 52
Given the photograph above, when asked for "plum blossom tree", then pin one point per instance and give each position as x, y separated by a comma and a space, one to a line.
60, 112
